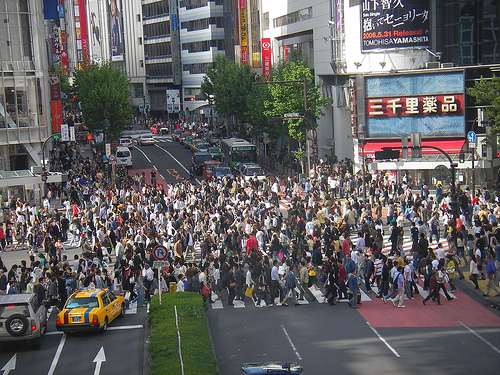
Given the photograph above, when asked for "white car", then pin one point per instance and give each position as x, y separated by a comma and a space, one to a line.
125, 142
145, 139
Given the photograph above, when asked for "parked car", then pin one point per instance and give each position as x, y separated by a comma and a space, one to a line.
195, 142
208, 168
124, 156
221, 171
252, 170
176, 135
145, 139
202, 147
125, 142
216, 153
277, 368
90, 310
22, 318
198, 159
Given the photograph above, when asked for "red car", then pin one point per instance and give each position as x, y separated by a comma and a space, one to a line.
208, 168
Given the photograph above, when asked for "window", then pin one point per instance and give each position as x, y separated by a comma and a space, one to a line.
138, 17
141, 62
203, 23
204, 45
156, 30
140, 41
159, 70
199, 68
265, 21
299, 15
156, 9
158, 50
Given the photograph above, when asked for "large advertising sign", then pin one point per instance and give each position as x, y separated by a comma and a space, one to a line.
394, 24
266, 58
115, 25
243, 32
431, 104
176, 53
96, 29
82, 40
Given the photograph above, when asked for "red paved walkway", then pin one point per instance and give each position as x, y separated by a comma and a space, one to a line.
463, 309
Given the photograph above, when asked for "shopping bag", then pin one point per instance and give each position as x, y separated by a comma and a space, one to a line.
248, 292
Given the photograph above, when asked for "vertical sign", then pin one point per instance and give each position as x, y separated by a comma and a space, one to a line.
82, 41
243, 32
64, 133
55, 101
72, 136
266, 58
56, 116
176, 53
115, 25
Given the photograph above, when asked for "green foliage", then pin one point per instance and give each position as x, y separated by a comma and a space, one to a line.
487, 92
195, 343
231, 84
103, 92
289, 98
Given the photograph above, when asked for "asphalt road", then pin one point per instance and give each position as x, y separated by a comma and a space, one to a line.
123, 345
169, 158
338, 340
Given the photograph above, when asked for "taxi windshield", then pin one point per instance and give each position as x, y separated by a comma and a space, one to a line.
83, 302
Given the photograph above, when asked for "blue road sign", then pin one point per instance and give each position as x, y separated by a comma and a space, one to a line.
471, 136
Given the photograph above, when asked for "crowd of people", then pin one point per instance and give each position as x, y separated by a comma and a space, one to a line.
250, 246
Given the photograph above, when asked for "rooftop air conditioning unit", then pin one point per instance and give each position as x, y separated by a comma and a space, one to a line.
447, 65
432, 65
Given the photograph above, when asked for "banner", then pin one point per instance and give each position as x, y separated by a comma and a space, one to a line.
115, 26
243, 33
266, 58
56, 116
55, 87
394, 24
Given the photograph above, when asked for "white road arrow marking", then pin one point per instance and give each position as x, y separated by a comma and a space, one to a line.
11, 365
98, 360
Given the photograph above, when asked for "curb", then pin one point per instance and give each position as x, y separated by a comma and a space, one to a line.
146, 358
213, 346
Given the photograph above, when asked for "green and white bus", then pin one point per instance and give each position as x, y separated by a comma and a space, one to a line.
237, 150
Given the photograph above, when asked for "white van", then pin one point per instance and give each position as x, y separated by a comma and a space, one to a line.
124, 156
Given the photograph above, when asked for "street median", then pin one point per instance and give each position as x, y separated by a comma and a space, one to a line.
180, 343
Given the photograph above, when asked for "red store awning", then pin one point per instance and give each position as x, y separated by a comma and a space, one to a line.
452, 146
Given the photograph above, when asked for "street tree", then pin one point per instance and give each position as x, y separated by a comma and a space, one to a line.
487, 93
103, 93
230, 84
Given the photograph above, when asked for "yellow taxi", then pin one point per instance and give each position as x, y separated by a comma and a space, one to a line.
90, 310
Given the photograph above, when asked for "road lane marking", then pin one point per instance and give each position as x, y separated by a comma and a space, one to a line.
172, 156
98, 360
383, 340
480, 337
119, 328
57, 355
11, 365
179, 336
291, 343
154, 166
142, 152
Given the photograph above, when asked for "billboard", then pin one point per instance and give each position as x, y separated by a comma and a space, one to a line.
394, 24
96, 29
115, 26
428, 103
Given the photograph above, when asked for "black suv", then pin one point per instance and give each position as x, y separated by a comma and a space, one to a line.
198, 159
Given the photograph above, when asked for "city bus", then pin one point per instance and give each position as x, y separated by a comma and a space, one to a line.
237, 150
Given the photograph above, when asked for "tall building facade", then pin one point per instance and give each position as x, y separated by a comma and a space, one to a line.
25, 119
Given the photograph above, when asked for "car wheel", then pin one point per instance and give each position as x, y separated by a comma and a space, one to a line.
104, 327
122, 312
16, 324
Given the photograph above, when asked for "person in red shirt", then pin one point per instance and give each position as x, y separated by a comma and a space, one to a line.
346, 246
252, 244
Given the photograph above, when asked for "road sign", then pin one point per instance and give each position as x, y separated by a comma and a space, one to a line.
161, 263
472, 144
112, 158
160, 252
471, 137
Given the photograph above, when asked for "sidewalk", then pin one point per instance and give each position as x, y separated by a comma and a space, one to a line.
468, 287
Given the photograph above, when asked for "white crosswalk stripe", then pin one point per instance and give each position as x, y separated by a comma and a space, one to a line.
132, 309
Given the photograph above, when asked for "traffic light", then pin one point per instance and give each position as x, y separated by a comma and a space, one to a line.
461, 157
73, 96
56, 137
89, 137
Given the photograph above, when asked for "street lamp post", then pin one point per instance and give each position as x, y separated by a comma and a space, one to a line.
362, 141
105, 128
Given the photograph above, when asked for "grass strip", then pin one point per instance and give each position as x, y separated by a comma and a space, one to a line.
195, 343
